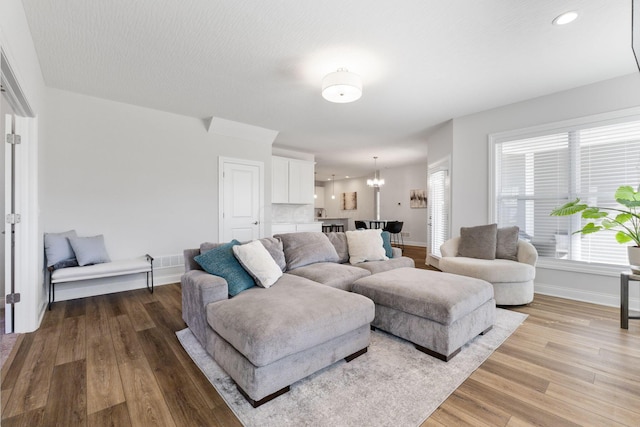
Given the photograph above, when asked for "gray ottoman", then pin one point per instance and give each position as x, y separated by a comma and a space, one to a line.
438, 312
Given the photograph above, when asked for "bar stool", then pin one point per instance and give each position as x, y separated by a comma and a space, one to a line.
326, 228
337, 227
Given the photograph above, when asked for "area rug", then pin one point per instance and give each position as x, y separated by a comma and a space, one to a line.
393, 384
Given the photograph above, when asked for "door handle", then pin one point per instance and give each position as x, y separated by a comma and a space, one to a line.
256, 223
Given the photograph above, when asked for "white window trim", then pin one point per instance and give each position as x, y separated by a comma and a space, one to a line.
629, 114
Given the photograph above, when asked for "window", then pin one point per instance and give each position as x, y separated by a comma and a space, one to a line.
438, 205
534, 172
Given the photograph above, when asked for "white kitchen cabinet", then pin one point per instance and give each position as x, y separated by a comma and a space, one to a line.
292, 181
279, 180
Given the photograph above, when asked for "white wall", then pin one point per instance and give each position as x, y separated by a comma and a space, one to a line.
440, 142
16, 42
394, 201
146, 179
470, 169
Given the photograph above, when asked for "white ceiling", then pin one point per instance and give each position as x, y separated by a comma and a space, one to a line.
261, 62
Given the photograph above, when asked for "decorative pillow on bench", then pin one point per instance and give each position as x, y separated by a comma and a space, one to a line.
68, 250
58, 250
89, 250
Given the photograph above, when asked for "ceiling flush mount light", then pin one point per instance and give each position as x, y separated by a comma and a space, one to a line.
376, 181
341, 86
565, 18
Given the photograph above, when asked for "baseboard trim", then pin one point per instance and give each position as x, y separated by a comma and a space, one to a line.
600, 298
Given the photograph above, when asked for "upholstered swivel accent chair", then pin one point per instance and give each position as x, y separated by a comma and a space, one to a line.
512, 280
395, 229
361, 225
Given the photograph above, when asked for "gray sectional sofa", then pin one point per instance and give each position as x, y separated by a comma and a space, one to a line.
267, 339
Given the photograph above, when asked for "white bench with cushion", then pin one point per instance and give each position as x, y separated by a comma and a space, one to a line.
71, 259
142, 264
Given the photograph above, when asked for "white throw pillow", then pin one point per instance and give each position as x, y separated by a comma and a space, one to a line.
255, 258
365, 245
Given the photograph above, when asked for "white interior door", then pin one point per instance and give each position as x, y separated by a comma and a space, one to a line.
241, 200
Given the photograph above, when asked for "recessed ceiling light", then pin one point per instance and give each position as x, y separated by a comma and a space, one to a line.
347, 176
565, 18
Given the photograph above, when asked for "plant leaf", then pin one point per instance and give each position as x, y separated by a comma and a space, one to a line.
623, 237
569, 208
590, 228
623, 217
608, 224
593, 213
625, 195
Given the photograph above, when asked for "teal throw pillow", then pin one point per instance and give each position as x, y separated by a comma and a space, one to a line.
386, 243
221, 262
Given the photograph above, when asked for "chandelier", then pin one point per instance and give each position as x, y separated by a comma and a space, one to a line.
376, 182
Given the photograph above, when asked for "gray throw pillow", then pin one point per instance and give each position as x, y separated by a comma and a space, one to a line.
58, 249
507, 243
275, 249
89, 250
306, 248
478, 242
339, 241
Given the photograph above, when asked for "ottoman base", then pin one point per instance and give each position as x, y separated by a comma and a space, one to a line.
435, 339
438, 312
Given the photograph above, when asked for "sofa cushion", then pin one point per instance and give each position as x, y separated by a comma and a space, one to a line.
257, 261
89, 250
306, 248
365, 245
494, 271
507, 243
293, 315
58, 249
391, 264
340, 276
220, 261
478, 242
339, 242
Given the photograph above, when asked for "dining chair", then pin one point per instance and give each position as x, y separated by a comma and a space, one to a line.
395, 229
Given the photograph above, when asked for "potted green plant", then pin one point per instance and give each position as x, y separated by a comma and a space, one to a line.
624, 221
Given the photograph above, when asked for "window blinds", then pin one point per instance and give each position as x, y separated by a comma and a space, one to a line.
533, 175
439, 209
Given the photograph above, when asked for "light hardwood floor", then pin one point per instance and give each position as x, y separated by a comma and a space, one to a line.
114, 360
